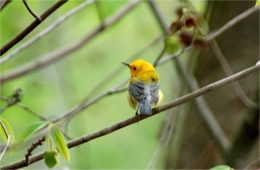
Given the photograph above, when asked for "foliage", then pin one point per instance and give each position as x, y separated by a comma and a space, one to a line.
221, 167
60, 143
33, 129
8, 129
51, 158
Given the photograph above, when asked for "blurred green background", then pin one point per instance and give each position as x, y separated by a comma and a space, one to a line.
57, 88
53, 90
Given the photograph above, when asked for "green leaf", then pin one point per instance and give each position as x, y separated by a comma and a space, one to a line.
8, 128
257, 3
32, 129
51, 158
221, 167
61, 143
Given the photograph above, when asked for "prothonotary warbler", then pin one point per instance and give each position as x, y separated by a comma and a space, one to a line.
143, 91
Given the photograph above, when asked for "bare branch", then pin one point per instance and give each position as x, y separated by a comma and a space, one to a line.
227, 70
31, 11
173, 56
33, 113
34, 145
13, 99
3, 4
61, 53
132, 120
160, 55
31, 27
86, 104
232, 22
47, 30
25, 108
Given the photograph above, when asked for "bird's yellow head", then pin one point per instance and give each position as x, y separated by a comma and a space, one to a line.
139, 67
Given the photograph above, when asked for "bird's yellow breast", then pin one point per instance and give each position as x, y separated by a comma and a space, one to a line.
146, 78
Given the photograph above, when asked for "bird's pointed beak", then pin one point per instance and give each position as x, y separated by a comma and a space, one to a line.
126, 64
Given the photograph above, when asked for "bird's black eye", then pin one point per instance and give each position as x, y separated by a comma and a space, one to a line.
134, 68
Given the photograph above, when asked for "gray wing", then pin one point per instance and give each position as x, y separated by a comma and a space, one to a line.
154, 92
136, 91
139, 93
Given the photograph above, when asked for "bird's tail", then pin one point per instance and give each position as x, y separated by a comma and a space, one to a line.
145, 108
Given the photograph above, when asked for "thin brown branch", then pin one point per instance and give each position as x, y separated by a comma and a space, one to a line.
119, 125
61, 53
33, 113
232, 22
3, 4
227, 70
160, 55
24, 107
86, 103
31, 11
31, 27
173, 56
13, 99
116, 89
32, 148
167, 129
113, 74
47, 30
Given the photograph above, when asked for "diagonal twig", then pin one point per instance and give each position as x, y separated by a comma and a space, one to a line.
25, 108
119, 125
31, 11
3, 4
227, 70
61, 53
232, 22
31, 27
47, 30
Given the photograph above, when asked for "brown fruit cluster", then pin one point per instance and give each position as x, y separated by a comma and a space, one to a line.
186, 27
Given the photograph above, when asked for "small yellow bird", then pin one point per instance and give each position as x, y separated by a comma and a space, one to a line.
143, 91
